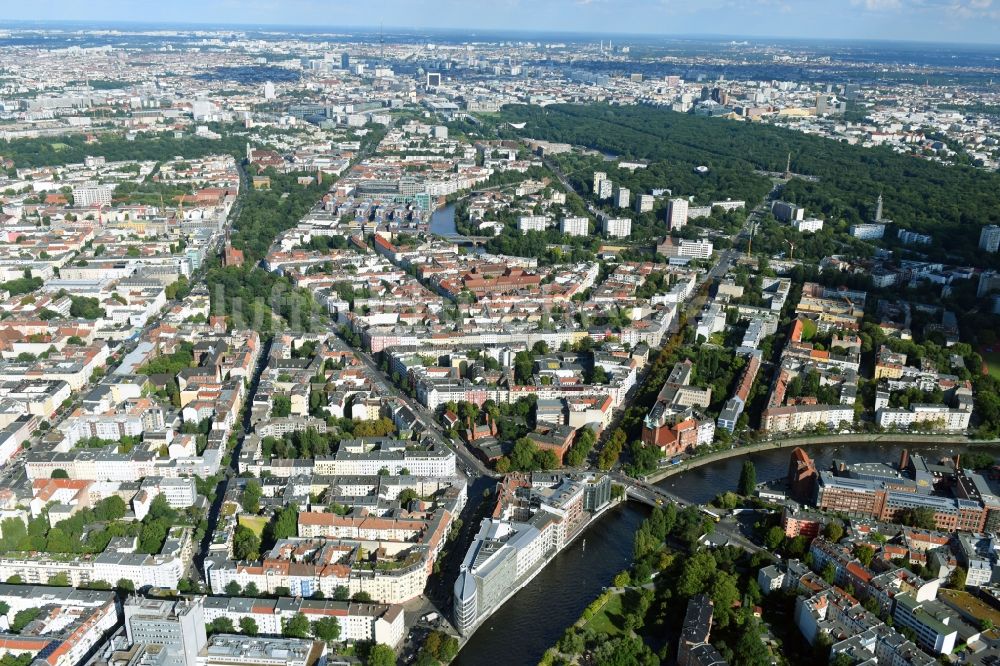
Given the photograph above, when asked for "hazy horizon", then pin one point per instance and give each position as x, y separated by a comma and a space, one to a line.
968, 22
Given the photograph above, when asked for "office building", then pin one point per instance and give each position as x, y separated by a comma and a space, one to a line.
230, 649
677, 213
269, 91
929, 620
345, 60
433, 79
699, 249
177, 625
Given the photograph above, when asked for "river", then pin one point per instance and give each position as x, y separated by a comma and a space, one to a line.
443, 221
702, 484
535, 618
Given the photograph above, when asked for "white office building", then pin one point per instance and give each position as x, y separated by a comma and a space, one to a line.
178, 626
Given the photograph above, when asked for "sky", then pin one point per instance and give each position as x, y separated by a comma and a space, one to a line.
955, 21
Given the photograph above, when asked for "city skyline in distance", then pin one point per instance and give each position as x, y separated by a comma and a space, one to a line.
947, 21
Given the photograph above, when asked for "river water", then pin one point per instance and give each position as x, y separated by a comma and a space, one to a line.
443, 220
702, 484
534, 619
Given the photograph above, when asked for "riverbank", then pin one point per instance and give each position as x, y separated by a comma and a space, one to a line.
889, 439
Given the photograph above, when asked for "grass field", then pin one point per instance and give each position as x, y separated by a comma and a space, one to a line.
59, 146
256, 523
992, 361
608, 619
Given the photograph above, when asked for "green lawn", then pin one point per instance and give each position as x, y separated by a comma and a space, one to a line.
992, 360
608, 619
256, 523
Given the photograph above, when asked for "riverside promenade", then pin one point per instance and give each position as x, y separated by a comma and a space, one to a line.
820, 440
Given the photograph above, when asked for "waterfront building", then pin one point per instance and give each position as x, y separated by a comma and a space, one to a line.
535, 517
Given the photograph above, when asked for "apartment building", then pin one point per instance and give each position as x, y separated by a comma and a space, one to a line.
575, 226
617, 227
677, 213
72, 623
379, 623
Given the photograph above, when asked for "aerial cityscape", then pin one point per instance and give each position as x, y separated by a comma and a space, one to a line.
483, 337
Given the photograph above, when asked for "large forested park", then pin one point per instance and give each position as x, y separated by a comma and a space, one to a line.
949, 202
